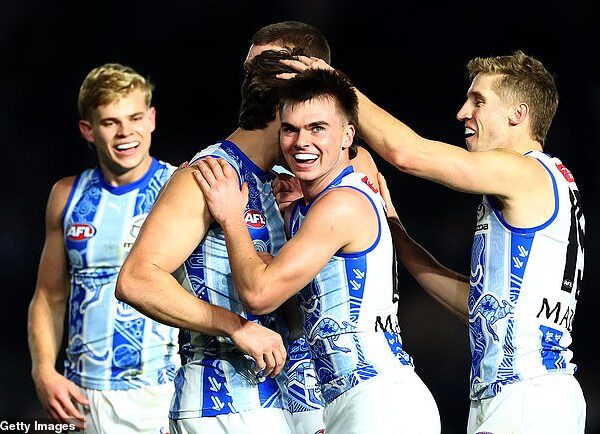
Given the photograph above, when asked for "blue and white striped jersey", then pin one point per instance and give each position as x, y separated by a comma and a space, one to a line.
350, 308
110, 344
218, 378
524, 288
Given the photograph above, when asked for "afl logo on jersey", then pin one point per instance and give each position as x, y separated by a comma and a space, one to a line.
81, 231
255, 219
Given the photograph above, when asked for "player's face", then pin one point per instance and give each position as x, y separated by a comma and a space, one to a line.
485, 115
121, 132
314, 139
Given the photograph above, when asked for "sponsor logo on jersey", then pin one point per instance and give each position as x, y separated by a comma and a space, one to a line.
255, 219
136, 225
565, 172
559, 313
81, 231
366, 180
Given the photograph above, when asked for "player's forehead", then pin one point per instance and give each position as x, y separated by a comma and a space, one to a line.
127, 105
320, 109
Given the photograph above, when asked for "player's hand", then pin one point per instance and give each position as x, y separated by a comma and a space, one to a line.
286, 189
58, 395
262, 344
220, 185
302, 64
389, 205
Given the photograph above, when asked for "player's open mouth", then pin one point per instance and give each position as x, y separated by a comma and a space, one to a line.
126, 146
469, 132
305, 158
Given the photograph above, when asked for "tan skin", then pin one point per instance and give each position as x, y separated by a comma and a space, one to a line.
174, 228
126, 123
328, 227
177, 223
494, 163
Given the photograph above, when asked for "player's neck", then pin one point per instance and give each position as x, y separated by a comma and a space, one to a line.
118, 176
260, 146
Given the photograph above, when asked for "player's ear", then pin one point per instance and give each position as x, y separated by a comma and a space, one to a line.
518, 113
85, 128
349, 132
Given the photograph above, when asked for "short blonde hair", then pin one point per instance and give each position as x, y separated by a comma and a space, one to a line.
109, 83
522, 78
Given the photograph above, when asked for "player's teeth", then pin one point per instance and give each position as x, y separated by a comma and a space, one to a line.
305, 157
125, 146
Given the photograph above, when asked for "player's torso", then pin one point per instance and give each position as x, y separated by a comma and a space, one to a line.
218, 377
350, 307
524, 289
111, 345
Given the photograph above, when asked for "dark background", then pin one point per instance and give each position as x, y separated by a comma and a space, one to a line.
409, 58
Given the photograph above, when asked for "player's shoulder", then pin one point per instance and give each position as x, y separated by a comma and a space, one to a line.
342, 201
63, 186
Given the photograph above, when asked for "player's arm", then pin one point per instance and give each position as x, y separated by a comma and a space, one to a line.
506, 174
497, 171
46, 317
327, 229
176, 224
448, 287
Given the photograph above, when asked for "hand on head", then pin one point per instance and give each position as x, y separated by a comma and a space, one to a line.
303, 63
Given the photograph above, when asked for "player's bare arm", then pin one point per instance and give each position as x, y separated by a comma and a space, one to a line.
57, 394
448, 287
175, 226
509, 175
327, 229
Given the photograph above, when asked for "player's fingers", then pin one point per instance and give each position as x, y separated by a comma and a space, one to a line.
244, 191
53, 414
259, 364
79, 396
215, 166
204, 186
225, 167
286, 75
70, 409
270, 364
58, 408
297, 64
207, 173
280, 358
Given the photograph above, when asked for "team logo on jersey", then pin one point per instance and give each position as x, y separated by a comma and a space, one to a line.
366, 180
81, 231
565, 172
255, 219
